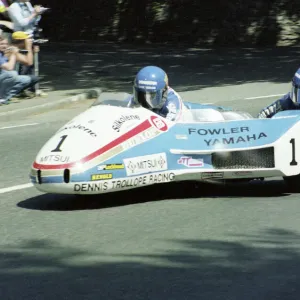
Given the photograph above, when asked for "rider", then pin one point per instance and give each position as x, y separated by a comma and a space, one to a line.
290, 101
151, 90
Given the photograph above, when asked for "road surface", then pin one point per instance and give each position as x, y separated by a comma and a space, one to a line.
162, 243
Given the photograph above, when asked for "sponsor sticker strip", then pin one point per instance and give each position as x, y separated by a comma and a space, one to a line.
79, 127
117, 124
124, 183
234, 135
111, 167
212, 175
190, 162
145, 164
95, 177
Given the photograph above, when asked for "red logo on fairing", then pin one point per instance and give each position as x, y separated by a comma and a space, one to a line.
159, 123
190, 162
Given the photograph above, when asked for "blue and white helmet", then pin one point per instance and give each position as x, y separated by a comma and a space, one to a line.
295, 92
150, 87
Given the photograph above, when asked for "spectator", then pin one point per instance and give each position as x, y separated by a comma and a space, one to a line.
24, 16
3, 9
11, 83
25, 62
6, 27
4, 5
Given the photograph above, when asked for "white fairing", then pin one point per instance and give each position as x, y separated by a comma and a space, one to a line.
102, 124
88, 132
106, 130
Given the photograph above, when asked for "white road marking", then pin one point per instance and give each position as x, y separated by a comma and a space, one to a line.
16, 126
15, 188
261, 97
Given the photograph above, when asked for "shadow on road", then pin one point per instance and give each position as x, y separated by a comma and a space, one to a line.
170, 191
265, 265
113, 67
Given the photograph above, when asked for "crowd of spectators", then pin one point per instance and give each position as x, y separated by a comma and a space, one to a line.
17, 50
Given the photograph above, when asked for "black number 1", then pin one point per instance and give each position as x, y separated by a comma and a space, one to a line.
57, 149
293, 162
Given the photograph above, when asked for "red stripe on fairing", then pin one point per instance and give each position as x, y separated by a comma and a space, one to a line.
140, 128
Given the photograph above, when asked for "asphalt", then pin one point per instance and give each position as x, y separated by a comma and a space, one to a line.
178, 241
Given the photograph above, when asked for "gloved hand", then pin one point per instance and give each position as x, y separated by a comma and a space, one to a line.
262, 115
268, 111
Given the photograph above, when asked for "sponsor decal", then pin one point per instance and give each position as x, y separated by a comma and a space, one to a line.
143, 180
111, 167
101, 176
210, 175
219, 131
230, 140
91, 187
125, 183
159, 123
117, 124
80, 127
190, 162
55, 158
243, 173
145, 164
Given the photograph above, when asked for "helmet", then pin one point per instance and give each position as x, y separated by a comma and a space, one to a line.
150, 87
295, 92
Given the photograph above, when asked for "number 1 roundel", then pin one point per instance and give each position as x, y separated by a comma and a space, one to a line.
159, 123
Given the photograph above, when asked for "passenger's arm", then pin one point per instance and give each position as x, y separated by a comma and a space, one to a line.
285, 103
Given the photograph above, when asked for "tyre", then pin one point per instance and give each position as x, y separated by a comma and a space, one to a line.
293, 183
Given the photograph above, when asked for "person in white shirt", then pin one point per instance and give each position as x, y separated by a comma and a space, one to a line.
24, 16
